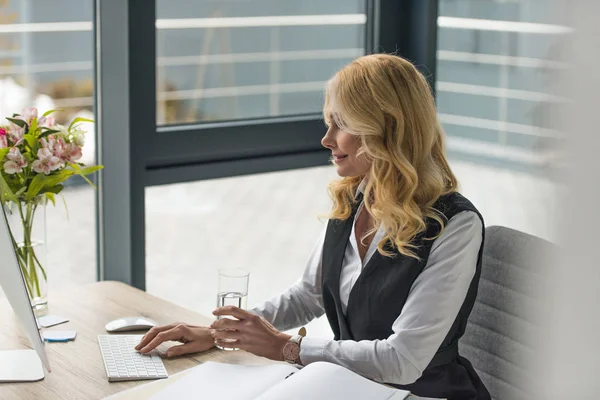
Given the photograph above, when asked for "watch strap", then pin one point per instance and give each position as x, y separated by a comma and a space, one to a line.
296, 339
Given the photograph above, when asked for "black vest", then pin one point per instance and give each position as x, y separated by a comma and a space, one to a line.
380, 292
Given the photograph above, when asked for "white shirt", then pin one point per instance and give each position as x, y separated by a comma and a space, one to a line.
430, 309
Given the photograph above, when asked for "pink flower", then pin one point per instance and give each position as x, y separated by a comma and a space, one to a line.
55, 145
66, 152
47, 122
72, 153
16, 134
46, 163
28, 115
16, 161
3, 138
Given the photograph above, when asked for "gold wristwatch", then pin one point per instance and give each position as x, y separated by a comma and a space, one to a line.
291, 350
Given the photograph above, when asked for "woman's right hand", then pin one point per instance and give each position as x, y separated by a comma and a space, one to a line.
195, 339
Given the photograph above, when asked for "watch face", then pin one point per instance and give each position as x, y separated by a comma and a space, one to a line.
291, 351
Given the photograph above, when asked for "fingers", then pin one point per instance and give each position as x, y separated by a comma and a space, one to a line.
234, 312
175, 333
182, 349
151, 334
226, 335
226, 323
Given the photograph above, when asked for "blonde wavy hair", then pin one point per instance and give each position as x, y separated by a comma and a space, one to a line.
388, 104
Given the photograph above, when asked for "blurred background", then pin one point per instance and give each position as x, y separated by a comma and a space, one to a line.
221, 164
498, 62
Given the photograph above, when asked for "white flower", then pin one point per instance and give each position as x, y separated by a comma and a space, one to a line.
16, 161
55, 144
46, 163
77, 135
28, 115
79, 138
72, 153
16, 134
47, 122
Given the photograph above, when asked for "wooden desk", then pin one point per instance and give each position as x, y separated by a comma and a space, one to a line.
77, 368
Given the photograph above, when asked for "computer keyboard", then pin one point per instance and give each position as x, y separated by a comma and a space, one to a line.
124, 363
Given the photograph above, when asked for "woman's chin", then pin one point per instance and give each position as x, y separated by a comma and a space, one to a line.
344, 173
341, 172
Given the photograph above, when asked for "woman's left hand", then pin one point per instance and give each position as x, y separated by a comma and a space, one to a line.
250, 333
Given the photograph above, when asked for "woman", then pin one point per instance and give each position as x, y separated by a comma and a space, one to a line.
397, 268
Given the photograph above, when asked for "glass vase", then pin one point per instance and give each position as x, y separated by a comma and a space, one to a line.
27, 222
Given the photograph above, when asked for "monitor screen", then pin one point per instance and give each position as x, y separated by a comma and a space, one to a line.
15, 289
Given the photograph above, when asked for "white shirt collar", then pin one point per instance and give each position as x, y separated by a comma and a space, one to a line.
361, 187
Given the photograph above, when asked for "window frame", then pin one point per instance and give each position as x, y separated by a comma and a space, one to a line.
137, 153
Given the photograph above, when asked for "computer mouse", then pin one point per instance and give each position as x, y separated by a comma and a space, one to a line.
126, 324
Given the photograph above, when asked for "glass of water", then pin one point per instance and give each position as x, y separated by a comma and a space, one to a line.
233, 290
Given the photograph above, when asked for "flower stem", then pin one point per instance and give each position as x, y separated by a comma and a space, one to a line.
22, 252
20, 256
29, 256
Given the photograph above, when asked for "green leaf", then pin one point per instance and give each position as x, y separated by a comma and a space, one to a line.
31, 140
91, 169
66, 207
33, 127
41, 181
50, 196
18, 122
6, 193
37, 183
79, 119
3, 153
21, 191
54, 189
50, 112
48, 130
51, 190
86, 171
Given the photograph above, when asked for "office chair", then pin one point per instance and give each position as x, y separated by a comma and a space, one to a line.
504, 324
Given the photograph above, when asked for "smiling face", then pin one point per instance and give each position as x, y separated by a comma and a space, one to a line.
345, 150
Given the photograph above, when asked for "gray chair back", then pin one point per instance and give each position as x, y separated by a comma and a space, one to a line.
501, 331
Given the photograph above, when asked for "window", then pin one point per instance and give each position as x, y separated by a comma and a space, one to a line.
498, 65
250, 59
264, 223
46, 53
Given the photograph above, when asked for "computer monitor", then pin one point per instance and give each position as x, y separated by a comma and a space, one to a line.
19, 365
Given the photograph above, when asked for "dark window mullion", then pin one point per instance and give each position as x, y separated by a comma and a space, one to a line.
200, 144
126, 117
409, 29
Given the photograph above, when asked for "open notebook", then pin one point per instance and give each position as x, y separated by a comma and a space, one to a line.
317, 381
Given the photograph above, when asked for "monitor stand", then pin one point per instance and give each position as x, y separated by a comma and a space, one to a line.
20, 366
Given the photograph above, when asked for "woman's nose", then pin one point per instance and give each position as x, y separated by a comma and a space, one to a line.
328, 141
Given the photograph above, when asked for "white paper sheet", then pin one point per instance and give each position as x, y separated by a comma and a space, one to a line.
226, 382
325, 381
